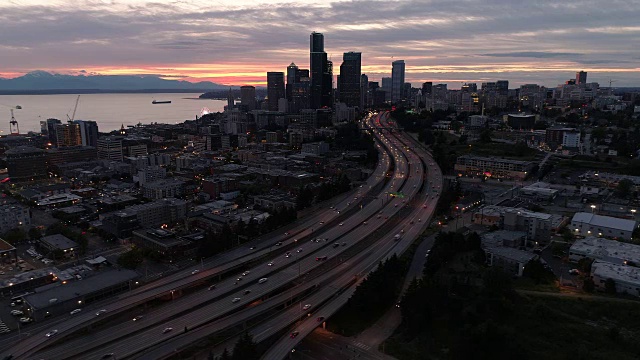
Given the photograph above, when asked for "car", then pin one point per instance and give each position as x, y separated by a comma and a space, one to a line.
16, 312
211, 287
348, 203
299, 250
344, 244
341, 224
252, 248
306, 306
167, 329
379, 216
195, 272
239, 279
321, 222
574, 272
235, 300
294, 334
137, 318
51, 333
286, 234
335, 245
331, 207
25, 320
320, 319
263, 280
101, 312
364, 223
411, 222
321, 258
75, 311
246, 273
287, 255
247, 292
398, 304
419, 220
278, 243
270, 264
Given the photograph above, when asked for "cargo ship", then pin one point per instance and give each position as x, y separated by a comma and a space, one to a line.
161, 102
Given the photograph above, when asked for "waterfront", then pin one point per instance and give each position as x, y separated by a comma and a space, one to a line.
110, 111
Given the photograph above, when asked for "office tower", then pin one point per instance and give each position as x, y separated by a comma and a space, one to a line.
231, 102
292, 73
502, 86
364, 91
386, 87
300, 91
321, 71
48, 127
349, 81
469, 87
581, 77
68, 134
88, 132
110, 148
397, 81
427, 88
248, 97
275, 89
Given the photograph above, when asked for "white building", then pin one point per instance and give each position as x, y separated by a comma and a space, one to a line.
151, 174
165, 188
13, 216
587, 224
605, 250
626, 278
571, 139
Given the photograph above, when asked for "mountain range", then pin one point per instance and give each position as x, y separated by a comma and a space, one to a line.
44, 82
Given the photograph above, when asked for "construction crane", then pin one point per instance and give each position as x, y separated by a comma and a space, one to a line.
14, 129
73, 115
610, 88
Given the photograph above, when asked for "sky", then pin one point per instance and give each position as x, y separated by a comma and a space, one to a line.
237, 42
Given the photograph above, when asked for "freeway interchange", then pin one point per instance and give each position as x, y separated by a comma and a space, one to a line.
353, 233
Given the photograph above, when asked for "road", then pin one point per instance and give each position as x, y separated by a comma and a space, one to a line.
423, 208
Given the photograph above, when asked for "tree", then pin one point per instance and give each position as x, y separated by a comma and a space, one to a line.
15, 236
131, 259
35, 233
536, 271
245, 348
588, 285
485, 136
225, 355
210, 356
623, 190
584, 265
610, 286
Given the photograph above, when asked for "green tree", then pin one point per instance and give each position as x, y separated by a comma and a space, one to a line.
485, 136
225, 355
245, 348
610, 286
584, 265
35, 233
131, 259
623, 190
15, 236
536, 271
588, 285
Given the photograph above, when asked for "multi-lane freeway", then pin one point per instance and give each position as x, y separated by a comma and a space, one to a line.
299, 276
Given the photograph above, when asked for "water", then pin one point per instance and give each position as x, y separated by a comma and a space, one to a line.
110, 111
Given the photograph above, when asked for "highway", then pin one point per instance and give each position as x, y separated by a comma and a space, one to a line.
429, 197
235, 258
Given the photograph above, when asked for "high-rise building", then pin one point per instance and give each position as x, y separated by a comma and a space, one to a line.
581, 77
275, 89
300, 91
68, 134
48, 127
321, 71
502, 86
386, 87
397, 81
110, 148
231, 101
427, 88
292, 78
349, 83
364, 91
248, 97
88, 132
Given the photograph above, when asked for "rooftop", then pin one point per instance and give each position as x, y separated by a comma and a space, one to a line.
607, 250
520, 256
618, 273
59, 241
75, 289
604, 221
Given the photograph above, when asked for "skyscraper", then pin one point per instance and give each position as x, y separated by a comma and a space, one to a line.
300, 91
581, 77
502, 86
275, 89
321, 71
292, 73
427, 88
248, 97
350, 78
364, 91
386, 88
397, 81
48, 127
88, 132
68, 134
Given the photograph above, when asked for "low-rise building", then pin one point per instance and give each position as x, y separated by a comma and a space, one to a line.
59, 242
540, 191
156, 213
166, 243
538, 226
165, 188
612, 251
625, 278
14, 216
589, 224
502, 250
468, 165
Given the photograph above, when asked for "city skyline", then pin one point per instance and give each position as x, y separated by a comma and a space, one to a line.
441, 42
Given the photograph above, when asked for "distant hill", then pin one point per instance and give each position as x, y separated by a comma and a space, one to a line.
42, 82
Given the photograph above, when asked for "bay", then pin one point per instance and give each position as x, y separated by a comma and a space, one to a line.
110, 111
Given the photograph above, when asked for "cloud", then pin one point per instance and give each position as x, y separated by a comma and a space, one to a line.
544, 40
